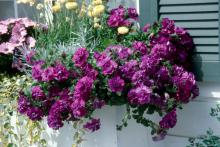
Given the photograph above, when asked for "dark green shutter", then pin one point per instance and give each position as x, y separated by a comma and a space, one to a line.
201, 19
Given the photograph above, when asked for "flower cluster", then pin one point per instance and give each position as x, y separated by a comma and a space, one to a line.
148, 73
121, 19
14, 33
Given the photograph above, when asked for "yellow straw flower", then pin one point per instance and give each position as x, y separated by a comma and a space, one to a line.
39, 6
56, 8
98, 10
62, 1
123, 30
97, 2
96, 19
71, 5
89, 13
96, 25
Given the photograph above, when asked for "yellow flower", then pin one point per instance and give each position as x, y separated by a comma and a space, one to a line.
62, 1
47, 1
123, 30
97, 2
71, 5
90, 7
39, 6
96, 19
98, 10
89, 13
56, 8
96, 25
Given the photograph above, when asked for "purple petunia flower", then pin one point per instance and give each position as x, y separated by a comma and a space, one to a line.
163, 74
108, 66
146, 27
89, 71
120, 11
92, 125
37, 71
37, 93
132, 13
29, 56
140, 95
150, 64
35, 113
140, 47
58, 112
98, 104
23, 104
83, 88
169, 120
78, 107
116, 84
48, 74
80, 57
186, 86
60, 72
167, 26
129, 68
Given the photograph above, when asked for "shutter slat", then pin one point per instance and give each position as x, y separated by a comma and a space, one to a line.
207, 49
168, 2
198, 24
202, 32
189, 8
206, 40
206, 57
198, 16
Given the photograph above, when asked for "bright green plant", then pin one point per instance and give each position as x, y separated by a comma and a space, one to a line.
209, 139
16, 130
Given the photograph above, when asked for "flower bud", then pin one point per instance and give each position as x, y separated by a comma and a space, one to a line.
123, 30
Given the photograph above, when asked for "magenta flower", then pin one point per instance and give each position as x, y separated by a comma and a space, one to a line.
37, 71
132, 13
169, 120
83, 88
60, 72
140, 47
116, 84
48, 74
78, 107
140, 95
98, 104
80, 57
23, 104
35, 113
92, 125
129, 68
37, 93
